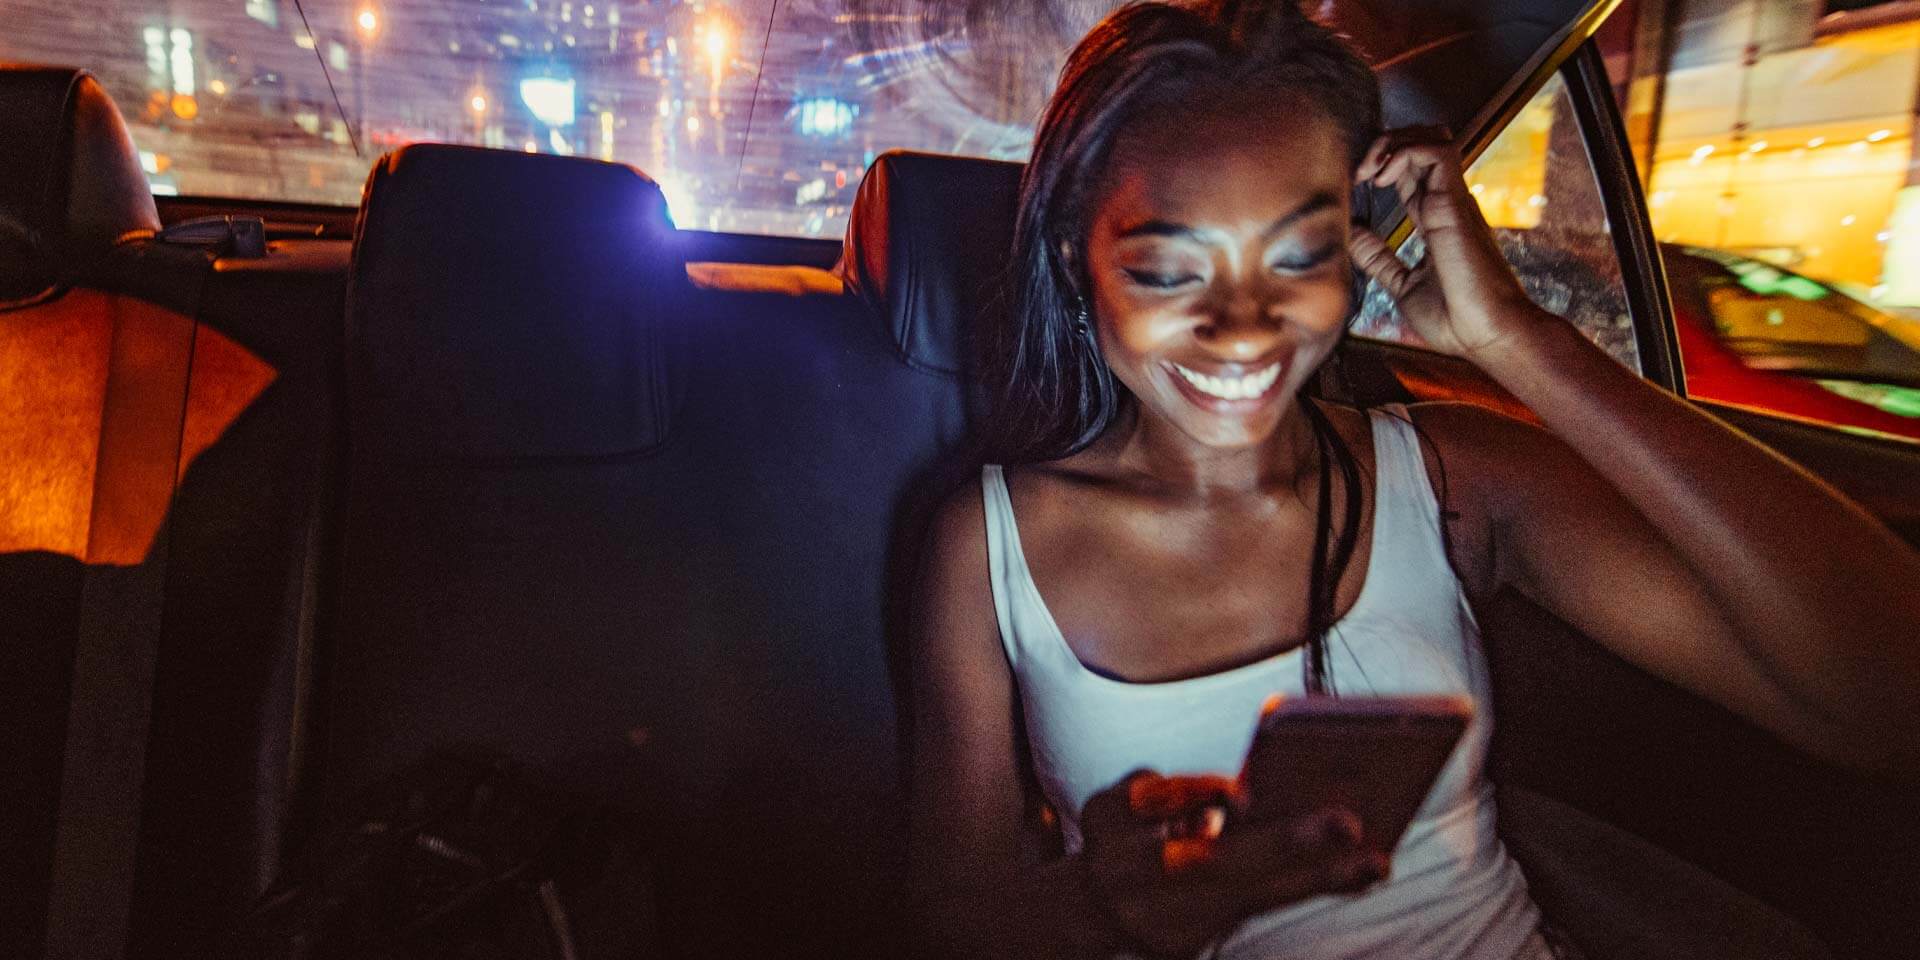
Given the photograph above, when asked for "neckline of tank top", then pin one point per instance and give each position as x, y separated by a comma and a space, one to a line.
1218, 677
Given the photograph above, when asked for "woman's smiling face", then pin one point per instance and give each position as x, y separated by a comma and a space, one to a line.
1218, 258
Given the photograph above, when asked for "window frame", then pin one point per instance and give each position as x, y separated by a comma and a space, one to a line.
1582, 70
1642, 271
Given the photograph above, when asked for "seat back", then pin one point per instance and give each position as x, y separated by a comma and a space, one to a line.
70, 190
162, 415
634, 532
242, 590
73, 186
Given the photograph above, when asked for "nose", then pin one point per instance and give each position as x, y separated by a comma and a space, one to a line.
1243, 325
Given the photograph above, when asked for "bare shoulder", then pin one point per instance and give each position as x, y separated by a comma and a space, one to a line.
955, 555
1484, 466
1473, 432
960, 521
1057, 499
1354, 424
955, 624
1485, 453
961, 680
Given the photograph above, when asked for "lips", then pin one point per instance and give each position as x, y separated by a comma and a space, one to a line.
1229, 388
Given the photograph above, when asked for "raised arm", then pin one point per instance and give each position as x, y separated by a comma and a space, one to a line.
1679, 543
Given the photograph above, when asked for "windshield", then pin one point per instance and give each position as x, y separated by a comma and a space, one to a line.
757, 116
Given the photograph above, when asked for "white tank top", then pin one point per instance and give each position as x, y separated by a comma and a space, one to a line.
1453, 892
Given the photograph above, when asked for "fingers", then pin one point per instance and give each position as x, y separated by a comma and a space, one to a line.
1152, 832
1377, 260
1314, 839
1415, 162
1395, 143
1179, 856
1355, 873
1109, 814
1306, 856
1375, 158
1347, 873
1415, 170
1188, 813
1334, 828
1158, 798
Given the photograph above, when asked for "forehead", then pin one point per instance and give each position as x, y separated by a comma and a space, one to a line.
1252, 161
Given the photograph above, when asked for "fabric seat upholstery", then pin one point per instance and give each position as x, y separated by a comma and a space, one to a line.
89, 289
644, 535
70, 191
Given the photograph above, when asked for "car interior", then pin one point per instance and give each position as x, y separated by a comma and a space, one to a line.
296, 495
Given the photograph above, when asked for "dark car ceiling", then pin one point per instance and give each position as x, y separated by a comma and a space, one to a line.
1453, 62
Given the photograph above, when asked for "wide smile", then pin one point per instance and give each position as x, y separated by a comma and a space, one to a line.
1228, 391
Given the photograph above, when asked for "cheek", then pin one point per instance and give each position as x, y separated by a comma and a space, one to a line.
1322, 308
1130, 326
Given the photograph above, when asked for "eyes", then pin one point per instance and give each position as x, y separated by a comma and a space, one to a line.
1172, 278
1159, 281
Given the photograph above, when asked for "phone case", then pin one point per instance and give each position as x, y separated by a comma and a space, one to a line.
1374, 756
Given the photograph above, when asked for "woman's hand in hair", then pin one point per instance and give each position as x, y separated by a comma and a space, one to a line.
1462, 298
1172, 876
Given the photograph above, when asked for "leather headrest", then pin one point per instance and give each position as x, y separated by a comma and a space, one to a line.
70, 179
927, 247
504, 305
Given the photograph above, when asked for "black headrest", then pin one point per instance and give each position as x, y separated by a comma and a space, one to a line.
504, 305
70, 179
928, 245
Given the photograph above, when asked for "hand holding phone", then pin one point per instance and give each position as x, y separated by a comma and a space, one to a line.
1169, 875
1376, 757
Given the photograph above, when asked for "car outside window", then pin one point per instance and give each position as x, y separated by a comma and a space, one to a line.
1764, 337
1535, 185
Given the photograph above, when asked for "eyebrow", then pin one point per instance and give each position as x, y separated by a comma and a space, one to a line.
1167, 228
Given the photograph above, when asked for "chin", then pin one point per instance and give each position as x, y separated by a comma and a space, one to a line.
1231, 433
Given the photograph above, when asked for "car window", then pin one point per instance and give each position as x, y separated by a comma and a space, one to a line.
1536, 187
757, 116
1776, 141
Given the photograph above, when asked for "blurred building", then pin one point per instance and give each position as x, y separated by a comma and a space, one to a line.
1781, 129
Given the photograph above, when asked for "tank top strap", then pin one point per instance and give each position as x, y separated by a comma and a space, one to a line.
1406, 514
1005, 559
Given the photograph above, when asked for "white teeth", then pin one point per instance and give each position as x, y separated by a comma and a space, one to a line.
1231, 388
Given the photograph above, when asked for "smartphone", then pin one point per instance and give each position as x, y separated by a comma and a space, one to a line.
1375, 756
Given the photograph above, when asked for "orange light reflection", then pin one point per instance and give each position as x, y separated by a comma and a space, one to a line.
54, 364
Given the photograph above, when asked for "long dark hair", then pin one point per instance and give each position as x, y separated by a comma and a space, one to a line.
1054, 392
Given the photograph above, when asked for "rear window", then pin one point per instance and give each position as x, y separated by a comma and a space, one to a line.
758, 116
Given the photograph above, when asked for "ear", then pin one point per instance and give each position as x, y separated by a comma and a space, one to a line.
1069, 260
1070, 270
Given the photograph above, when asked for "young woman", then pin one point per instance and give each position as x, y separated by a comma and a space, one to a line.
1195, 534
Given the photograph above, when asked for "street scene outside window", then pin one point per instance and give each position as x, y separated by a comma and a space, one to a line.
757, 116
1536, 187
1775, 138
1777, 142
